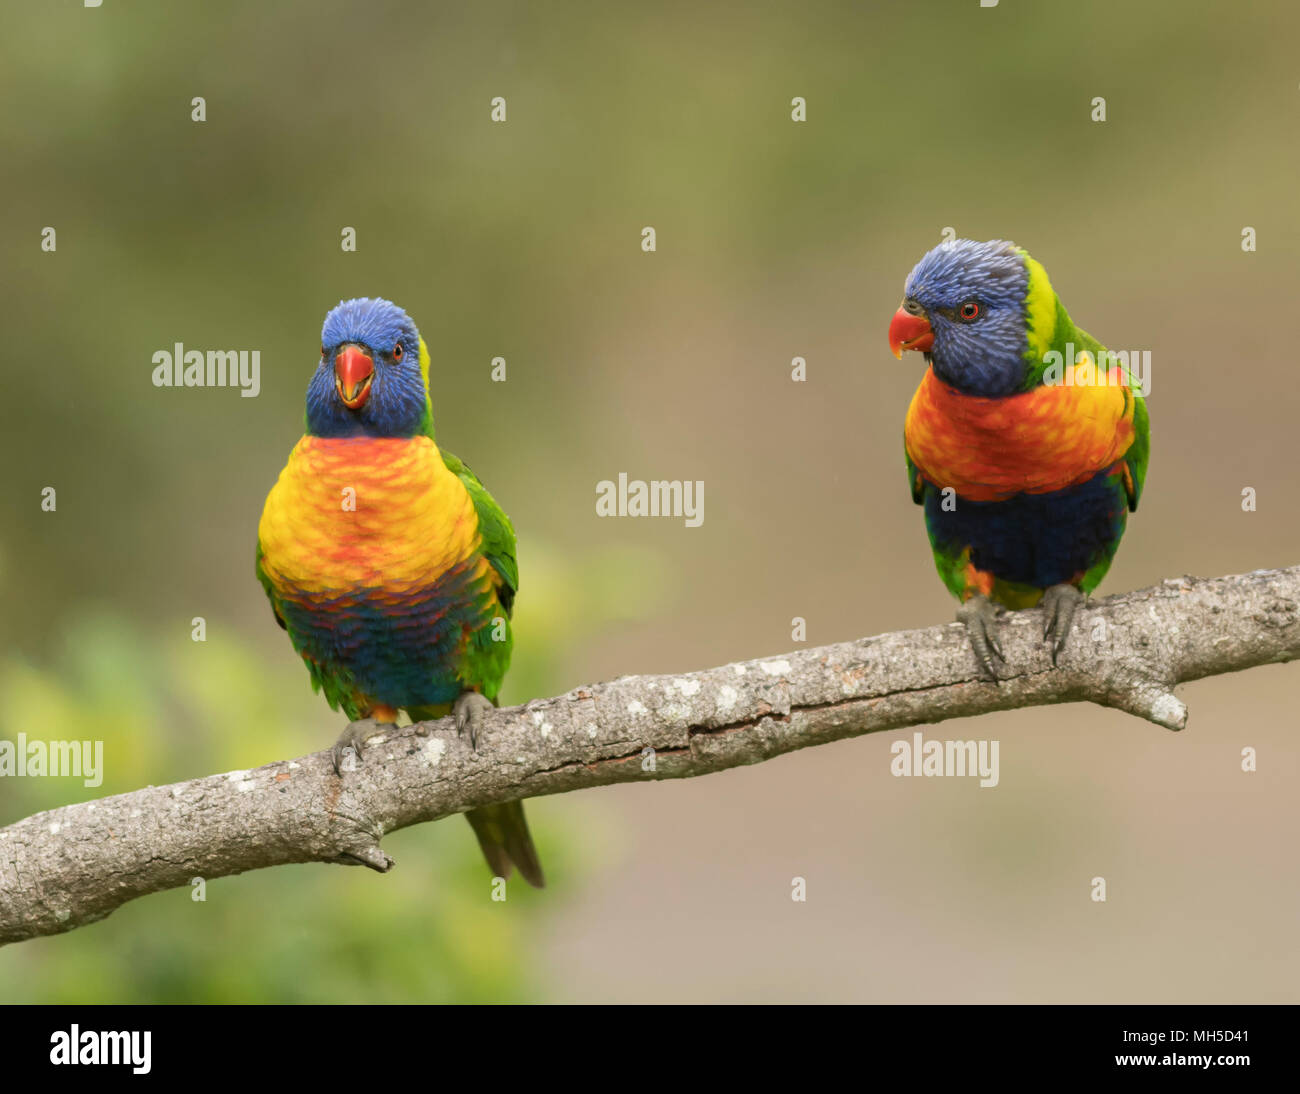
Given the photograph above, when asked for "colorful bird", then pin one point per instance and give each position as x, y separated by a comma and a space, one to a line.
387, 562
1026, 442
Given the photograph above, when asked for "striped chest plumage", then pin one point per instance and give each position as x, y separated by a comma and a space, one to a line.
371, 549
1050, 438
1037, 484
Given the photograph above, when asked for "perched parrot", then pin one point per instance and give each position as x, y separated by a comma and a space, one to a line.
387, 562
1025, 443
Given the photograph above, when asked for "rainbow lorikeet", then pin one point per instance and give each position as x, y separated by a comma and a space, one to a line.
387, 562
1026, 442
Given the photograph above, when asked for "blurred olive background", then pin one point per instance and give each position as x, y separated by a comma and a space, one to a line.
522, 240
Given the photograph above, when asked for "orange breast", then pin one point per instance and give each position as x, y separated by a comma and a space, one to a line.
366, 513
1046, 439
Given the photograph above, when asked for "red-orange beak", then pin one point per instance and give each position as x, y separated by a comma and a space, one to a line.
353, 372
908, 331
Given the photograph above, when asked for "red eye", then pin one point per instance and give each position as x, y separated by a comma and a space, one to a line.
397, 352
969, 310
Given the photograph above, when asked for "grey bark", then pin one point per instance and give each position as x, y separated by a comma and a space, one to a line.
71, 866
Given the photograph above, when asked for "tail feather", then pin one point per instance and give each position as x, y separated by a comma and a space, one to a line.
503, 835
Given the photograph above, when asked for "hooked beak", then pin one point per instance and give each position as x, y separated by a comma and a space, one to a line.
908, 331
353, 372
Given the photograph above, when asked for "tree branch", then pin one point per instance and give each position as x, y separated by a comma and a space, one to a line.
71, 866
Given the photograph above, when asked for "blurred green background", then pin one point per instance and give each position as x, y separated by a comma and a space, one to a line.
522, 240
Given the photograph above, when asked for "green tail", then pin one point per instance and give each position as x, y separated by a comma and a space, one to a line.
503, 834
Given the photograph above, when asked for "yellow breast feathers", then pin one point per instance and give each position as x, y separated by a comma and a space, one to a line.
365, 512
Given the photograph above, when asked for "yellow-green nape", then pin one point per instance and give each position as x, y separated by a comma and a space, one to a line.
1040, 309
426, 423
424, 362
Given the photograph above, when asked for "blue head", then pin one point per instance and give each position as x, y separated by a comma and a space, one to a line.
369, 381
964, 306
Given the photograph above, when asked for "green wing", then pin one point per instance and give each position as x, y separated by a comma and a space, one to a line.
914, 481
1139, 451
497, 533
266, 584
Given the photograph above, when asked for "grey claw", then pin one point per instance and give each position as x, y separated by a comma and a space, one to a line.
1059, 604
469, 708
353, 737
979, 616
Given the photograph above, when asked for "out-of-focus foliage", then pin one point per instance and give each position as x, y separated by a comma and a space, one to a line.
169, 708
426, 931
